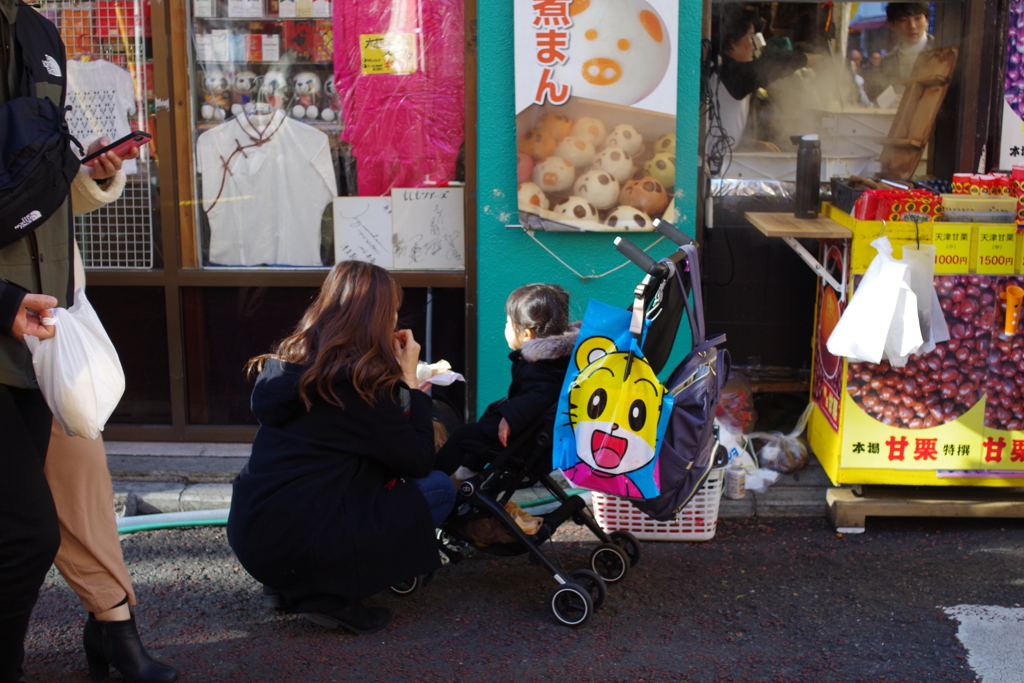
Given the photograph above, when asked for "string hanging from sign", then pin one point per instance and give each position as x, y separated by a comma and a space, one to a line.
574, 271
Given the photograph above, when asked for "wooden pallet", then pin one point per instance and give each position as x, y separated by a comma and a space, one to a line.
848, 509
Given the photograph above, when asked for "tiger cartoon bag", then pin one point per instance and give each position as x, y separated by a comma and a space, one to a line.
612, 411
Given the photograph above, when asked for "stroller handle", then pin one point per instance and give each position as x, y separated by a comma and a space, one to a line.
639, 257
672, 232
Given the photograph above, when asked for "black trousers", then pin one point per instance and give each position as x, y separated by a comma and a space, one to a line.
29, 534
460, 447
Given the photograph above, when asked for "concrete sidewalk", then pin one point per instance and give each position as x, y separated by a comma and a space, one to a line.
153, 477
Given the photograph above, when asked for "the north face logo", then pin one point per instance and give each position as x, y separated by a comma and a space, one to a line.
52, 67
28, 220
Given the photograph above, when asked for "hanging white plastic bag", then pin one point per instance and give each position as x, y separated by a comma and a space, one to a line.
881, 315
78, 370
904, 336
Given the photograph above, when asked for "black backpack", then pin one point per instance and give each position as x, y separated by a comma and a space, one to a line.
688, 451
37, 163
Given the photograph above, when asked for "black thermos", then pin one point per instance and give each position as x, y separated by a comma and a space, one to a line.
808, 175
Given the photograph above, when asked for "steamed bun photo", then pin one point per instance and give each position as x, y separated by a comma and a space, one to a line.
619, 50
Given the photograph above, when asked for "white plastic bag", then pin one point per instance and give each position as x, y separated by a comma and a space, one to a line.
784, 453
78, 370
881, 319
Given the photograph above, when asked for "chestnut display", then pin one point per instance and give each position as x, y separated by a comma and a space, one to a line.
939, 386
1005, 397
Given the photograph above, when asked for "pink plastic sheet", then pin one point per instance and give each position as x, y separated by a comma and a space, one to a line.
405, 129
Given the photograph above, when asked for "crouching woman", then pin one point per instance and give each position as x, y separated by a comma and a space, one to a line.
339, 499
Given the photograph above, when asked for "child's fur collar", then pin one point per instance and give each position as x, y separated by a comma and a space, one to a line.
551, 348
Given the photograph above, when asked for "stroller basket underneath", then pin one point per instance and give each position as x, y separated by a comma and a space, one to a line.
697, 521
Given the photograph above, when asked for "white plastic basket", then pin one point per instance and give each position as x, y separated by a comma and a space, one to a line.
695, 522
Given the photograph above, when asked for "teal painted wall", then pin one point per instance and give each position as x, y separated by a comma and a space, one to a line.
509, 258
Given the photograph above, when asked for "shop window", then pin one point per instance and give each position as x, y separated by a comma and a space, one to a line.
226, 326
830, 69
110, 94
296, 111
136, 320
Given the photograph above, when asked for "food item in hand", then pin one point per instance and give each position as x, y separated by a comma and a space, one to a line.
425, 371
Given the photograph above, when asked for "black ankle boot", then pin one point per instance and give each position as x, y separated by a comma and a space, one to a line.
116, 644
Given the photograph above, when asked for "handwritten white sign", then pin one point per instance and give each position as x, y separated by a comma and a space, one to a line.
428, 228
362, 230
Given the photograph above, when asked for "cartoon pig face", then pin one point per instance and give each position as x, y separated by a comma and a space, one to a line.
619, 50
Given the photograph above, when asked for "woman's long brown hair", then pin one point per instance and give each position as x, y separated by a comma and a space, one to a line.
348, 329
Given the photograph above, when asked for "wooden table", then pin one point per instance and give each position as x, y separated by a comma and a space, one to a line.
789, 228
787, 225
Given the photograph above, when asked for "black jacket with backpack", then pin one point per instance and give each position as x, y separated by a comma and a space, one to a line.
37, 167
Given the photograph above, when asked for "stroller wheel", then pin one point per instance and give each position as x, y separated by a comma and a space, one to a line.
593, 583
571, 604
629, 543
409, 587
610, 562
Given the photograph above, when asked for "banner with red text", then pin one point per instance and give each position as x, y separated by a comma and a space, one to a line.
595, 113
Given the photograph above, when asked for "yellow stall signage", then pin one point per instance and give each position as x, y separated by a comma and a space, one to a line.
952, 247
997, 249
388, 53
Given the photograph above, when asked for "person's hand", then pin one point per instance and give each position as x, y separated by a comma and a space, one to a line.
407, 351
34, 307
503, 432
108, 164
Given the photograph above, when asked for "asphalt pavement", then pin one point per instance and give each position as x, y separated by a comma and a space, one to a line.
767, 599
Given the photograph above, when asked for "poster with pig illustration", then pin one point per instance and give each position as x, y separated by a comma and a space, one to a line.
595, 113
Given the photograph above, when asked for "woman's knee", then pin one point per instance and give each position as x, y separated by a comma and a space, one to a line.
439, 491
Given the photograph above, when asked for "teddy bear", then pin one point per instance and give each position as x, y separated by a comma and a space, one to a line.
243, 83
216, 103
273, 89
306, 86
329, 112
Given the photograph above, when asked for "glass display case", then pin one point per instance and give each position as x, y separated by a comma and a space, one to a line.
110, 94
265, 133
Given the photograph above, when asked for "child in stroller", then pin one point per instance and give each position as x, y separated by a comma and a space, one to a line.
510, 449
525, 461
538, 332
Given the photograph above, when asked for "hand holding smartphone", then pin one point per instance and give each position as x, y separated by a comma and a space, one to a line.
121, 147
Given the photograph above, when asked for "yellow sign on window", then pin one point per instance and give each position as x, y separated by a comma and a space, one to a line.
388, 53
952, 247
997, 247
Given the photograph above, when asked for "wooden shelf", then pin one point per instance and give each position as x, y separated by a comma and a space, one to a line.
787, 225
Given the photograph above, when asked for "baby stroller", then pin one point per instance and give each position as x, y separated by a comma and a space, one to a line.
526, 462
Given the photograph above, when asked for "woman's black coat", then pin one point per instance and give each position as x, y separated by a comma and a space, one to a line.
321, 511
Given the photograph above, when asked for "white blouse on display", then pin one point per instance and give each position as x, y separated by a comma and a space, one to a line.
265, 181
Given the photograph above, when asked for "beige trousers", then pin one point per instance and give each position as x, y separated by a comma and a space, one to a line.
90, 557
